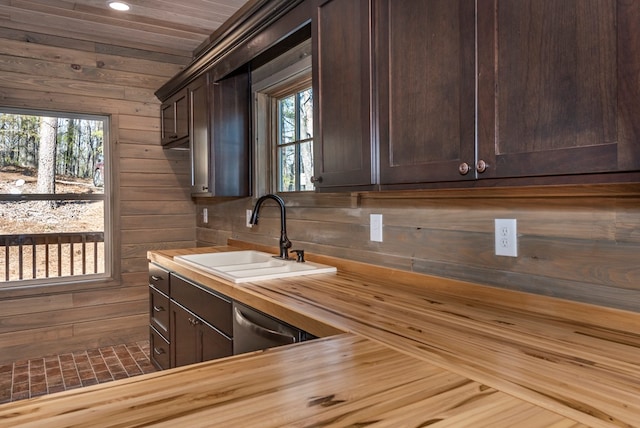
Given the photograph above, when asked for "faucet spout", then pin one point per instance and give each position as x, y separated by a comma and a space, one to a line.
285, 244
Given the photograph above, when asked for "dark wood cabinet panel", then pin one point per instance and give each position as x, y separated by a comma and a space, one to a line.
175, 119
184, 336
160, 350
231, 136
342, 91
190, 324
212, 307
199, 135
200, 324
159, 311
426, 89
558, 87
159, 278
213, 344
193, 340
218, 115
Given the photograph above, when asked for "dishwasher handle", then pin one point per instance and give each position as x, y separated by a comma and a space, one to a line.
263, 332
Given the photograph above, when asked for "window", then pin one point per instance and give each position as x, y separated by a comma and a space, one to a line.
294, 145
283, 122
54, 189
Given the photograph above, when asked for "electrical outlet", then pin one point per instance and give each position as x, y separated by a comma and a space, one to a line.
205, 215
506, 237
248, 217
375, 222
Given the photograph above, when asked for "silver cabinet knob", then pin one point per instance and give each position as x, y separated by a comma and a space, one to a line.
464, 168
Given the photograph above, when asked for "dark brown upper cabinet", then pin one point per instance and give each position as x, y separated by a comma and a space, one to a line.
559, 87
342, 92
218, 133
425, 66
175, 119
455, 91
199, 142
231, 131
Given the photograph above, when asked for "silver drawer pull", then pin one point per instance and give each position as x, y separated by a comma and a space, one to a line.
158, 351
158, 308
156, 278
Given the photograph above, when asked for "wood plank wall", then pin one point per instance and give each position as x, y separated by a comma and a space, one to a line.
151, 201
580, 243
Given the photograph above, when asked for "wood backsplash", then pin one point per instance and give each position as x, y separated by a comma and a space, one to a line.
580, 243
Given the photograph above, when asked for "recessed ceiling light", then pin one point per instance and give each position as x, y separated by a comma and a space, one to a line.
118, 5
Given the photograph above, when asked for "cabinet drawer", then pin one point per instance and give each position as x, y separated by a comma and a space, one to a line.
159, 311
213, 308
159, 278
159, 350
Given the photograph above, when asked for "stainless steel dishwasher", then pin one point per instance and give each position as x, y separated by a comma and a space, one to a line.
254, 331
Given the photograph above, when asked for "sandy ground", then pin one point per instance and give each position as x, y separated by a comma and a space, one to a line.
39, 217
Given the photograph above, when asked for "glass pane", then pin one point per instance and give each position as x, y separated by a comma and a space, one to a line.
287, 169
50, 155
64, 238
48, 236
306, 166
305, 99
287, 120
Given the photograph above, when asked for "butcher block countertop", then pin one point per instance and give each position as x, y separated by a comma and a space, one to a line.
403, 350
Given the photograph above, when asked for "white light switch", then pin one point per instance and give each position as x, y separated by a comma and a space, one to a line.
375, 222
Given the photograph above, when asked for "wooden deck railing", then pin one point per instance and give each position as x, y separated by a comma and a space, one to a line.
51, 254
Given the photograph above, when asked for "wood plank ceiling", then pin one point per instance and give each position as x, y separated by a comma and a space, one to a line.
172, 28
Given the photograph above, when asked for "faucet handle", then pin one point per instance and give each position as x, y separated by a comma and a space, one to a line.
299, 255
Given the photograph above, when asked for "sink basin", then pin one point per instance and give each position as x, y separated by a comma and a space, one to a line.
247, 266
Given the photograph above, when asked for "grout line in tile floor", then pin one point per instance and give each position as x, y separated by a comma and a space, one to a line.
54, 373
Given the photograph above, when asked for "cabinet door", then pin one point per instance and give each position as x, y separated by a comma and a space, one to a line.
184, 336
342, 93
231, 127
199, 132
168, 127
213, 344
426, 89
558, 87
193, 340
175, 119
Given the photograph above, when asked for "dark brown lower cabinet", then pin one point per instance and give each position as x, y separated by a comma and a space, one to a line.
160, 351
200, 323
188, 323
160, 348
194, 340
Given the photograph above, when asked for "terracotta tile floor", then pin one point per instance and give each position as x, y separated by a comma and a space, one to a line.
39, 376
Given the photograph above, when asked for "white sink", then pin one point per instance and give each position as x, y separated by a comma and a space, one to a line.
247, 266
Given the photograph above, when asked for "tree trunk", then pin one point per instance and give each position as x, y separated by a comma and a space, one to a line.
47, 156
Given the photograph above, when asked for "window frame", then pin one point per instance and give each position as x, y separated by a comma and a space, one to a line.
62, 282
266, 91
292, 91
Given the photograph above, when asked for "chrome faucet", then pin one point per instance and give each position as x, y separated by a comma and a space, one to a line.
285, 244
